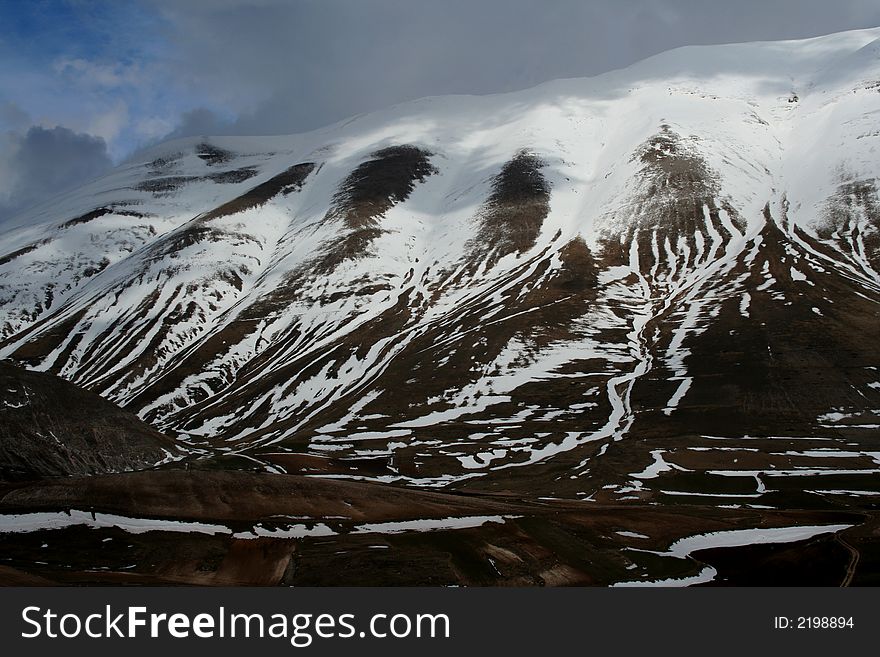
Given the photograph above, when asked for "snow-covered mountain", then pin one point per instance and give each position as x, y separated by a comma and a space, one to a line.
656, 283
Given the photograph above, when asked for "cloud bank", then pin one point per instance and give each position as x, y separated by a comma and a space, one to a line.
82, 83
43, 162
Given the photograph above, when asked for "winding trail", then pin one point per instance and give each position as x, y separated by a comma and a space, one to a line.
853, 563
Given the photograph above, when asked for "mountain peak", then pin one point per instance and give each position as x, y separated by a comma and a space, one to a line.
557, 289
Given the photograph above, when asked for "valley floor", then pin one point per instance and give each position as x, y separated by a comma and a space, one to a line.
231, 528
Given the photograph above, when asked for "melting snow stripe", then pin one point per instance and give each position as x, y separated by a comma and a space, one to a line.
428, 525
32, 522
685, 547
706, 575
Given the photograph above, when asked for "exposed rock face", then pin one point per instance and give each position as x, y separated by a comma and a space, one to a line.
51, 428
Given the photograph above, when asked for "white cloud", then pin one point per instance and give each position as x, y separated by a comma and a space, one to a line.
110, 123
151, 128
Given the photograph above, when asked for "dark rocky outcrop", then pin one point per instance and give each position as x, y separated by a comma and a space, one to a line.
49, 428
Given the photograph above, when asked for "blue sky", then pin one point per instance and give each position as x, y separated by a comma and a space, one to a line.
94, 67
84, 83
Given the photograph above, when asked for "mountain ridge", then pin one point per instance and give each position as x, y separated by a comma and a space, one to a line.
575, 285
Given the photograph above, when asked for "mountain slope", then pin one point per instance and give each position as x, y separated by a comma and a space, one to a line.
50, 428
660, 283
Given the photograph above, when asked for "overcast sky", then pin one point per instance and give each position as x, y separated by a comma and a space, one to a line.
84, 83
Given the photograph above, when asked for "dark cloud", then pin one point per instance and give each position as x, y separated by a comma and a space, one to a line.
201, 121
46, 161
290, 66
283, 66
